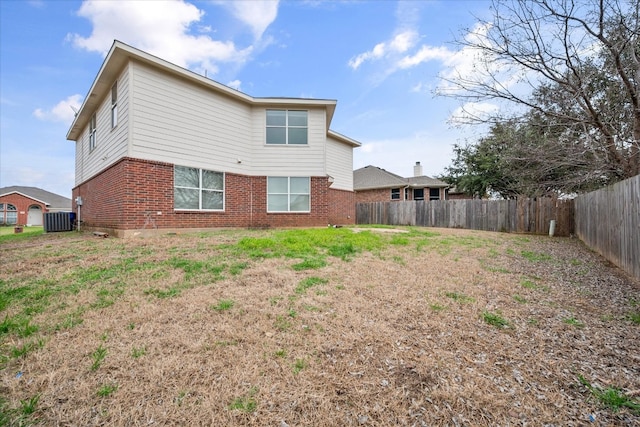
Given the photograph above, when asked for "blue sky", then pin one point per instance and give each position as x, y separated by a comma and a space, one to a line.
382, 61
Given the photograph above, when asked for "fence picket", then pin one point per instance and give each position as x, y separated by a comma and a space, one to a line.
518, 216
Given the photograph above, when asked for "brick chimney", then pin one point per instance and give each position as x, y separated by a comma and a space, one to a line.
417, 169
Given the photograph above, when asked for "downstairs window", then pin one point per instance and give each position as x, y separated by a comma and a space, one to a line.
288, 194
198, 189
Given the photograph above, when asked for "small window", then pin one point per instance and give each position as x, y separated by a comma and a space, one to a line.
434, 194
287, 127
395, 194
418, 194
114, 105
288, 194
198, 189
92, 133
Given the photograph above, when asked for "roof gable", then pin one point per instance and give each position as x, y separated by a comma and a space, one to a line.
39, 195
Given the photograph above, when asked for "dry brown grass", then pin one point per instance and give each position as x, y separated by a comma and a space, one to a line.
394, 337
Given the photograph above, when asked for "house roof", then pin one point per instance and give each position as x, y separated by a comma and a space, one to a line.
51, 200
120, 54
372, 177
426, 181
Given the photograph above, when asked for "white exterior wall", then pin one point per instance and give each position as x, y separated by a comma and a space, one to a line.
340, 164
111, 144
289, 160
178, 122
162, 117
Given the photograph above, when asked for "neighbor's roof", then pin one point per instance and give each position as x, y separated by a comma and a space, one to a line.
426, 181
372, 177
120, 53
52, 200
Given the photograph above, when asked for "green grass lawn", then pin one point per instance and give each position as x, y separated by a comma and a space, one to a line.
317, 326
8, 233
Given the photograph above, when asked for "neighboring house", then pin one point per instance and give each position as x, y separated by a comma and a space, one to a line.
159, 146
373, 184
454, 194
27, 205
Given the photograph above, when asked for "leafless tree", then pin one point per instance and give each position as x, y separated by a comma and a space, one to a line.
566, 63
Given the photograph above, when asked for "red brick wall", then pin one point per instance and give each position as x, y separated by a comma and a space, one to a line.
342, 207
22, 205
136, 194
377, 195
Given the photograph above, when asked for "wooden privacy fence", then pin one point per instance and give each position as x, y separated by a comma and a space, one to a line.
516, 216
608, 221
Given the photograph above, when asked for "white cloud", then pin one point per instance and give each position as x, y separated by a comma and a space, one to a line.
464, 63
257, 14
425, 54
164, 28
471, 111
63, 111
433, 149
399, 44
235, 84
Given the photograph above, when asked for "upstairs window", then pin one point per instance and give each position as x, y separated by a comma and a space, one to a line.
288, 194
198, 189
287, 127
92, 132
114, 105
434, 194
395, 194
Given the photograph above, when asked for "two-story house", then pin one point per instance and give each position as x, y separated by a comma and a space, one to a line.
159, 146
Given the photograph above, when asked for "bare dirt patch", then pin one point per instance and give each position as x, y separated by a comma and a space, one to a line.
398, 335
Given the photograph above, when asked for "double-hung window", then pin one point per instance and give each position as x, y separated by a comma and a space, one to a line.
114, 105
198, 189
434, 194
92, 132
287, 127
395, 194
288, 194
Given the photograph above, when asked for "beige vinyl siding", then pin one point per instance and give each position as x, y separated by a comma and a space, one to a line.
183, 123
111, 143
340, 164
289, 160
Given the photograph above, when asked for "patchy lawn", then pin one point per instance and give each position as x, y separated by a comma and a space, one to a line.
316, 327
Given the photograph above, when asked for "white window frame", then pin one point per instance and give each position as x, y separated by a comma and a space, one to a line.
114, 105
287, 126
289, 194
396, 191
433, 197
4, 212
200, 189
92, 132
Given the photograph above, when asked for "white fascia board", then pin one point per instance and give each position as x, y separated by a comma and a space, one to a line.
344, 139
